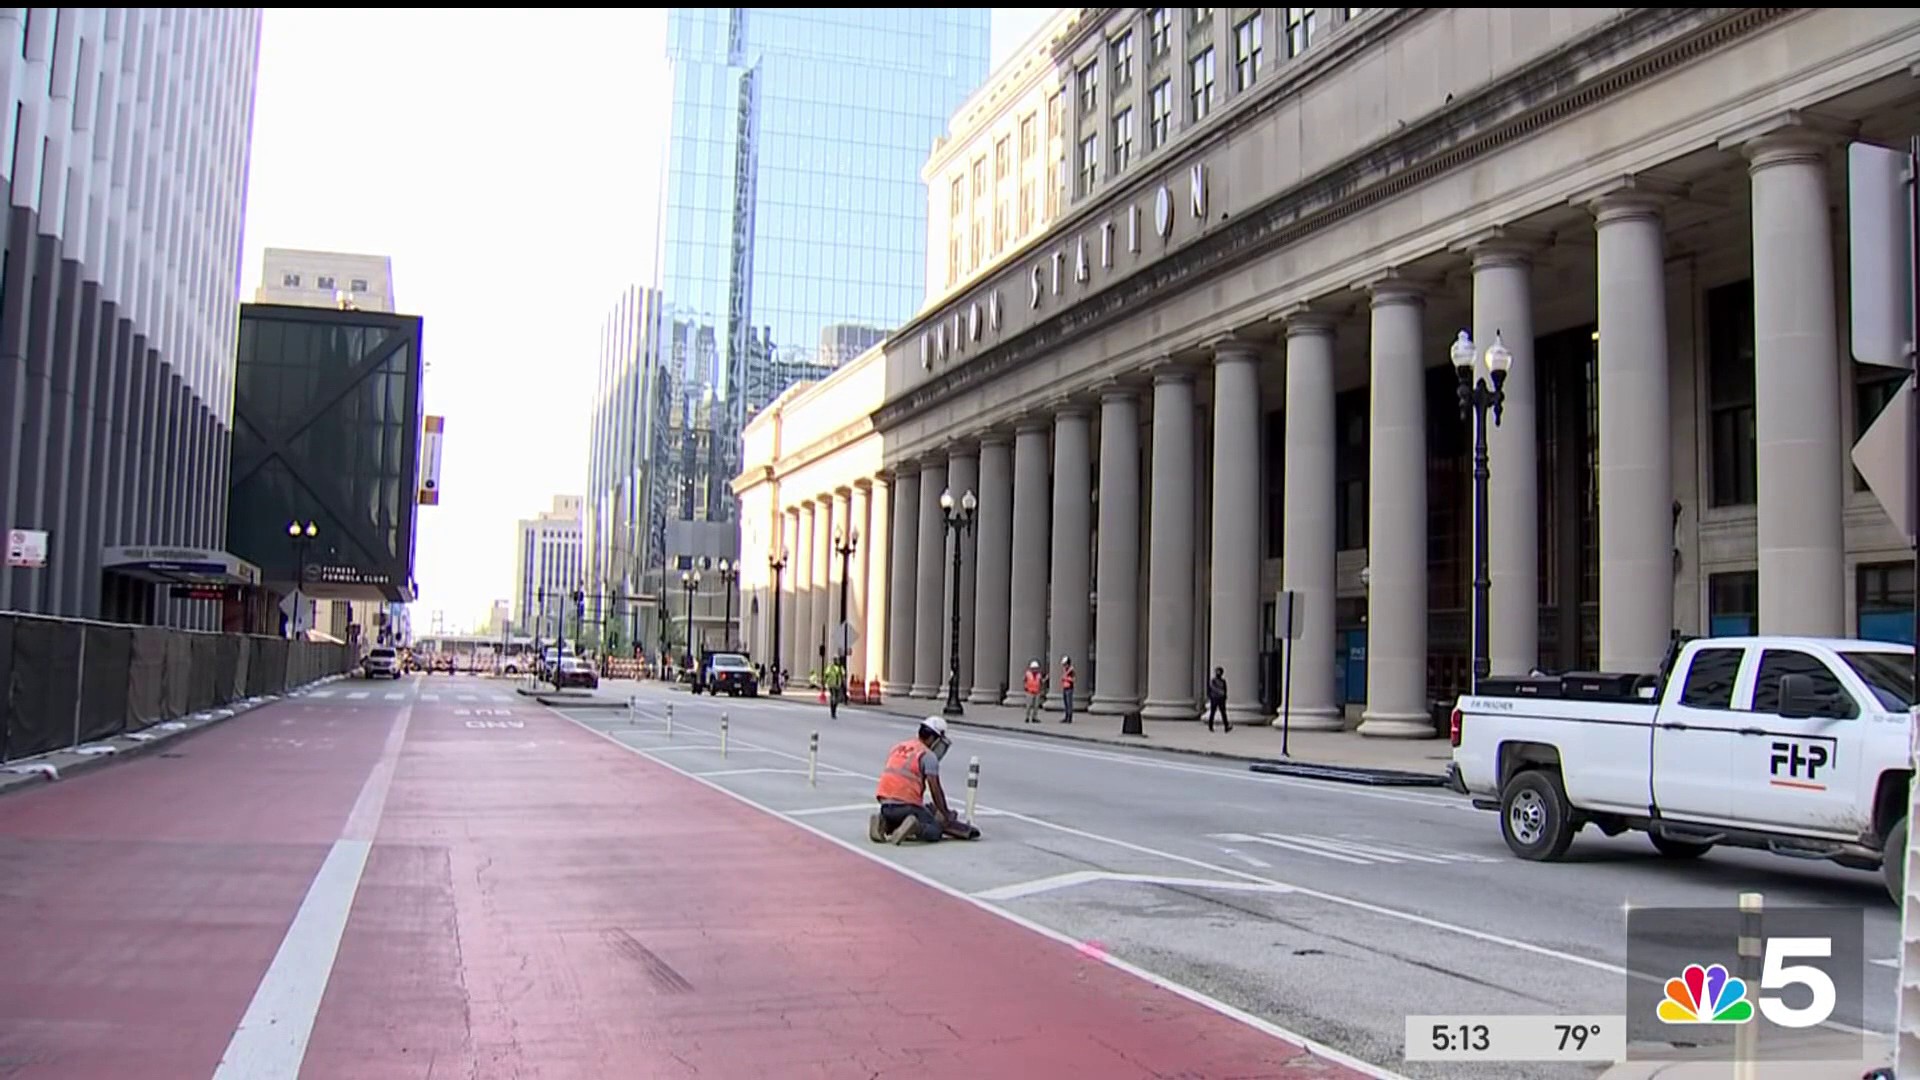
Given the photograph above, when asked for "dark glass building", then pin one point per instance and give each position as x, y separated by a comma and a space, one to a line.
326, 431
794, 235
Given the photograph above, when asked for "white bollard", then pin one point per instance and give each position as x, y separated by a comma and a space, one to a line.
723, 734
633, 710
669, 720
813, 757
1746, 1037
973, 786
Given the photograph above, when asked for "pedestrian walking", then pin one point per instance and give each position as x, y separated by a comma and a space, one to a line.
1035, 684
836, 680
1066, 688
1217, 698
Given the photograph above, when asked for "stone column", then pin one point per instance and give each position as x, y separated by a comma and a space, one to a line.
1067, 623
994, 553
963, 475
791, 591
1032, 518
1503, 309
859, 520
873, 606
1308, 569
903, 579
1796, 397
929, 636
1635, 444
806, 630
825, 567
1397, 519
1234, 612
1170, 551
843, 575
1117, 612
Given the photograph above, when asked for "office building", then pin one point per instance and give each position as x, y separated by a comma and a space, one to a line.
325, 279
1226, 371
548, 567
128, 136
793, 236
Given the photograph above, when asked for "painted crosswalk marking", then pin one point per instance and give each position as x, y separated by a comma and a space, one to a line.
320, 693
357, 695
1354, 851
429, 697
395, 695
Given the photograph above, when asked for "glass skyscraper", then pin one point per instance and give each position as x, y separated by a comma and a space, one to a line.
794, 237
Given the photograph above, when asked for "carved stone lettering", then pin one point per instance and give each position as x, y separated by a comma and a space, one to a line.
1198, 181
1106, 243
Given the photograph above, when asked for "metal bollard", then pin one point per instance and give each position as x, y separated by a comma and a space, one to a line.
973, 786
1746, 1037
669, 721
723, 734
813, 757
633, 710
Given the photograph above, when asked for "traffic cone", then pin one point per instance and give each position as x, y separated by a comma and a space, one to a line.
823, 695
873, 691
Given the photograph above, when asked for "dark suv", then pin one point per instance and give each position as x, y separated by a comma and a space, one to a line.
730, 674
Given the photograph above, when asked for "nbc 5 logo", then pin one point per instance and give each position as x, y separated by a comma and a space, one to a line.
1707, 994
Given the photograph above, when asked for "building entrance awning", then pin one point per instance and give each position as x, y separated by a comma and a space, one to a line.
179, 565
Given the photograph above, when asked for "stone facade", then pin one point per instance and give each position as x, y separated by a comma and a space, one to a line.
1225, 372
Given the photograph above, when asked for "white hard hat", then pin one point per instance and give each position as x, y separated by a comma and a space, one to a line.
1066, 659
1033, 663
935, 724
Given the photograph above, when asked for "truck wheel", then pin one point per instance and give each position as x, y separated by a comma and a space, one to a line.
1535, 819
1893, 862
1678, 849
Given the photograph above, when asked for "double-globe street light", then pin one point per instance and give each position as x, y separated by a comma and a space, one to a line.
302, 537
959, 519
690, 583
844, 545
1478, 397
777, 562
729, 572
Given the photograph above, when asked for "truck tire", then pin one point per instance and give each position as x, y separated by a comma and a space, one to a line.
1535, 819
1893, 862
1678, 849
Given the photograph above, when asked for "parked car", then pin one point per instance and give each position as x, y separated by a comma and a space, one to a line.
729, 674
381, 663
1797, 746
576, 672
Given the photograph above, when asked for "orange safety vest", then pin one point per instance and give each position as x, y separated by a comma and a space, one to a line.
1066, 678
1033, 682
902, 781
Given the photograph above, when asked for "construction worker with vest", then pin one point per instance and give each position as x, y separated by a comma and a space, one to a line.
913, 768
836, 687
1035, 684
1066, 688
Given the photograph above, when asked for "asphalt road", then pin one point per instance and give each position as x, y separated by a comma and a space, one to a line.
1334, 911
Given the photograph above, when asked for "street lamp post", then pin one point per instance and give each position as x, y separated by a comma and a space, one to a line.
776, 562
959, 519
729, 572
1478, 397
844, 544
690, 582
302, 537
579, 617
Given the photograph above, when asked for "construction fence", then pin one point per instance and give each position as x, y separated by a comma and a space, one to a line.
64, 682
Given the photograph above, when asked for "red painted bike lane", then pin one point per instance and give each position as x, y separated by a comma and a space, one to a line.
141, 903
541, 903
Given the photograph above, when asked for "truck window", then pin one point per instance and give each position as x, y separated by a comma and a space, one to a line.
1710, 679
1888, 675
1830, 699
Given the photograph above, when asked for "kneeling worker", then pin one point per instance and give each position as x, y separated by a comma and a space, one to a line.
912, 766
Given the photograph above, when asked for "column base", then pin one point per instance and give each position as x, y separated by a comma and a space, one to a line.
1106, 706
1313, 720
1396, 726
1187, 711
1249, 713
894, 689
921, 690
984, 695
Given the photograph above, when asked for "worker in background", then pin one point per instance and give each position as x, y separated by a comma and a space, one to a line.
1035, 685
911, 775
836, 679
1066, 688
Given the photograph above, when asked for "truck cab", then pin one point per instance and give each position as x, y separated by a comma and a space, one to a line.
1798, 746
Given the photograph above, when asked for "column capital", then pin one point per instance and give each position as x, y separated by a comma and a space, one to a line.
1070, 408
1306, 320
1395, 286
1033, 421
1118, 390
1501, 245
1787, 136
1233, 345
844, 491
964, 447
1622, 198
1168, 369
865, 483
998, 435
905, 469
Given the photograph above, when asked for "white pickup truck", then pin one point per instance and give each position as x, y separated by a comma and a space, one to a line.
1798, 746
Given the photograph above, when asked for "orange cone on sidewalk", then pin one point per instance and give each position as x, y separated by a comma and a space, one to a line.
823, 695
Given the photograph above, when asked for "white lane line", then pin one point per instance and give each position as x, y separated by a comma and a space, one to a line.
1265, 1027
843, 808
429, 697
395, 695
1023, 889
468, 697
357, 695
271, 1041
752, 772
318, 693
1286, 845
1259, 864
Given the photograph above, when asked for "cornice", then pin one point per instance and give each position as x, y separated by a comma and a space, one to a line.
1478, 125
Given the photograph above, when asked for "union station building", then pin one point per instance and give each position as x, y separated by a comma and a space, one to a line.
1207, 361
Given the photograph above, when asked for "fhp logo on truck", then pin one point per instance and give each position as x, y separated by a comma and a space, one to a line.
1801, 762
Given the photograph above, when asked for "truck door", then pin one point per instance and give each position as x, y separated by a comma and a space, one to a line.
1799, 775
1694, 736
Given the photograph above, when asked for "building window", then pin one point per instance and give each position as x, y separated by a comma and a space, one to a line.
1086, 85
1198, 17
957, 198
979, 178
1026, 208
1733, 603
1159, 113
1202, 92
1246, 51
974, 252
1029, 137
324, 281
1002, 158
1350, 471
1883, 593
1732, 480
1354, 13
1275, 475
1873, 387
1123, 60
290, 281
358, 284
953, 257
1089, 162
1300, 29
1122, 141
1159, 32
1053, 117
1001, 212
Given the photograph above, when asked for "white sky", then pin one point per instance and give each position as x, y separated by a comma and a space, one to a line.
509, 163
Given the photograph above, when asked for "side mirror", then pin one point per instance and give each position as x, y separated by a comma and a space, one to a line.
1796, 697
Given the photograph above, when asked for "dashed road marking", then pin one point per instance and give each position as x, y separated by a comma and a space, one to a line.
357, 695
1355, 852
1021, 889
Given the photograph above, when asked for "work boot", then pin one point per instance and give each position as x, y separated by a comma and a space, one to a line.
876, 829
907, 827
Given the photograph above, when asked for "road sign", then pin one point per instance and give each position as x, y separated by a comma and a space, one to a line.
1885, 458
1880, 237
847, 635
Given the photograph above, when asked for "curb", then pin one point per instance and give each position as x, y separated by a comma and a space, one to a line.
1301, 769
59, 765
